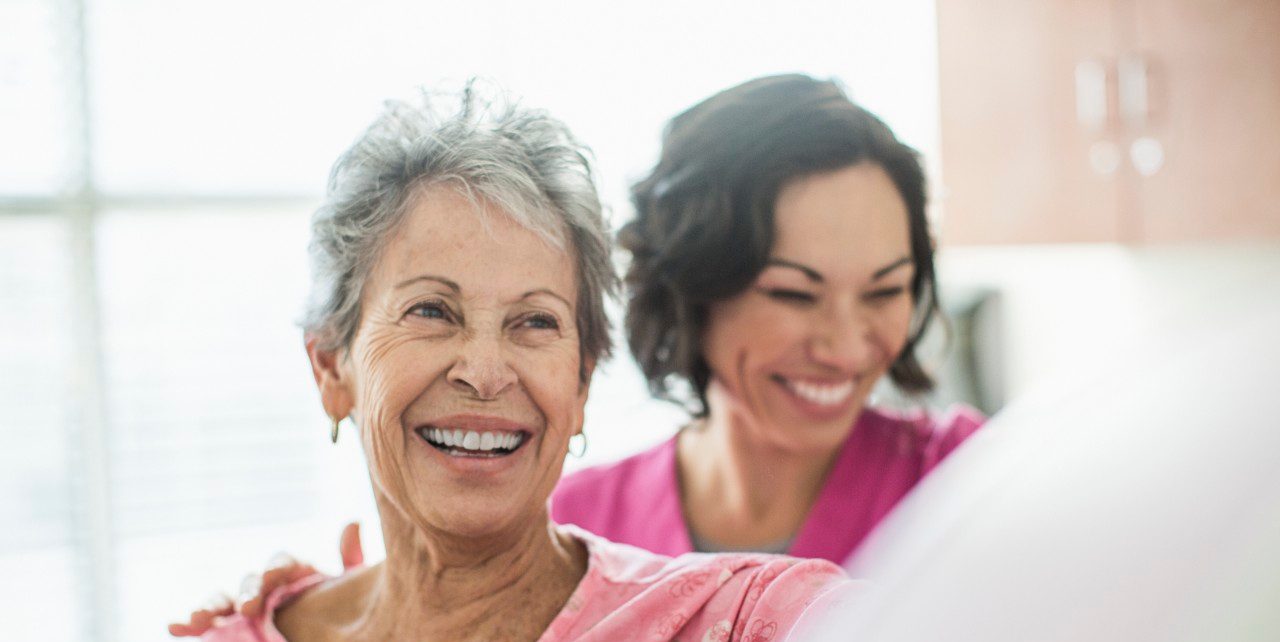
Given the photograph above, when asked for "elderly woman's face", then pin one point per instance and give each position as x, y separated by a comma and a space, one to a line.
464, 372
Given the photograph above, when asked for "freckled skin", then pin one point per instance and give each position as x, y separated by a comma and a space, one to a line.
465, 313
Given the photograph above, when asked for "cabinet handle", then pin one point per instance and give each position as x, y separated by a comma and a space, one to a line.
1091, 95
1134, 90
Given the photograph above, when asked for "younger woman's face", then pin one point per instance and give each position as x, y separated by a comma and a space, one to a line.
797, 353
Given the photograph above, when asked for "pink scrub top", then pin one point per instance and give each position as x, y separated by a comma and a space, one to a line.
632, 594
636, 501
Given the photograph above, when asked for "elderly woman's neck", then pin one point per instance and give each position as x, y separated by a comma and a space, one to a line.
442, 586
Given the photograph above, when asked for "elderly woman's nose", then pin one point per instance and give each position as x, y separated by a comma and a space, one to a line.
481, 369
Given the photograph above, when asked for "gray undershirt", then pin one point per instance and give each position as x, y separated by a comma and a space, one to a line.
703, 545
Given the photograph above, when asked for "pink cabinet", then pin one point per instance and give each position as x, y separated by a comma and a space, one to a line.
1134, 121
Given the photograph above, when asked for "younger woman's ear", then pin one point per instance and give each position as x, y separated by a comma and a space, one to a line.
331, 379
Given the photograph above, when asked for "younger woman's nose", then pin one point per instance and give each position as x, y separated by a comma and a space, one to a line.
843, 341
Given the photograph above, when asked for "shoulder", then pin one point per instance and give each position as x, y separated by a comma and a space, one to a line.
589, 489
621, 564
785, 598
950, 429
617, 563
700, 594
235, 628
930, 436
238, 628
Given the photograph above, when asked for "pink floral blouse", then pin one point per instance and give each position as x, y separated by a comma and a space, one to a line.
632, 594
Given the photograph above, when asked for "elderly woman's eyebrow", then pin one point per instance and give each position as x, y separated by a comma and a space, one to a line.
548, 292
452, 285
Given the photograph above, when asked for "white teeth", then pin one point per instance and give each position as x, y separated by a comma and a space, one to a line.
822, 395
472, 440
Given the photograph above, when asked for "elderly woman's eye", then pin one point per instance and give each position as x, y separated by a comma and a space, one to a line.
430, 310
540, 322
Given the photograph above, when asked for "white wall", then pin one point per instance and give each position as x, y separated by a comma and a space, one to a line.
1071, 303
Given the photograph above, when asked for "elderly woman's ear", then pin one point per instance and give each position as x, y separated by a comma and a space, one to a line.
588, 369
331, 380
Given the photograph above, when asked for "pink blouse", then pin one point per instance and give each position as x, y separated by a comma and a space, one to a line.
637, 500
632, 594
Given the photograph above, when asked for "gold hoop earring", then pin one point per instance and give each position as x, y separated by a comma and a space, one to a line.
333, 432
581, 451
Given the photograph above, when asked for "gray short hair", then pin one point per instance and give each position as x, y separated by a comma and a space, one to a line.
520, 159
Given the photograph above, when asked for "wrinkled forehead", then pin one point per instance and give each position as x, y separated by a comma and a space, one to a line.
472, 242
524, 207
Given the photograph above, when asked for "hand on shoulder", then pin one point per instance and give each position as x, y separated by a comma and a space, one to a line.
281, 572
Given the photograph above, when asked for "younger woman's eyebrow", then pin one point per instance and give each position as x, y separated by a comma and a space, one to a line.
882, 272
817, 277
813, 274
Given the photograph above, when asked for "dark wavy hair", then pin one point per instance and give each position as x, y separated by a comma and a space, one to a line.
704, 216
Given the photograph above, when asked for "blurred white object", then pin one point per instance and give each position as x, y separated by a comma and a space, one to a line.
1147, 155
1138, 499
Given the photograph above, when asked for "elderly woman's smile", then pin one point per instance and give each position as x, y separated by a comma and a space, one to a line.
474, 436
464, 370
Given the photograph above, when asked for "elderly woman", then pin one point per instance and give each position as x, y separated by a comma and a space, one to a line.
460, 267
